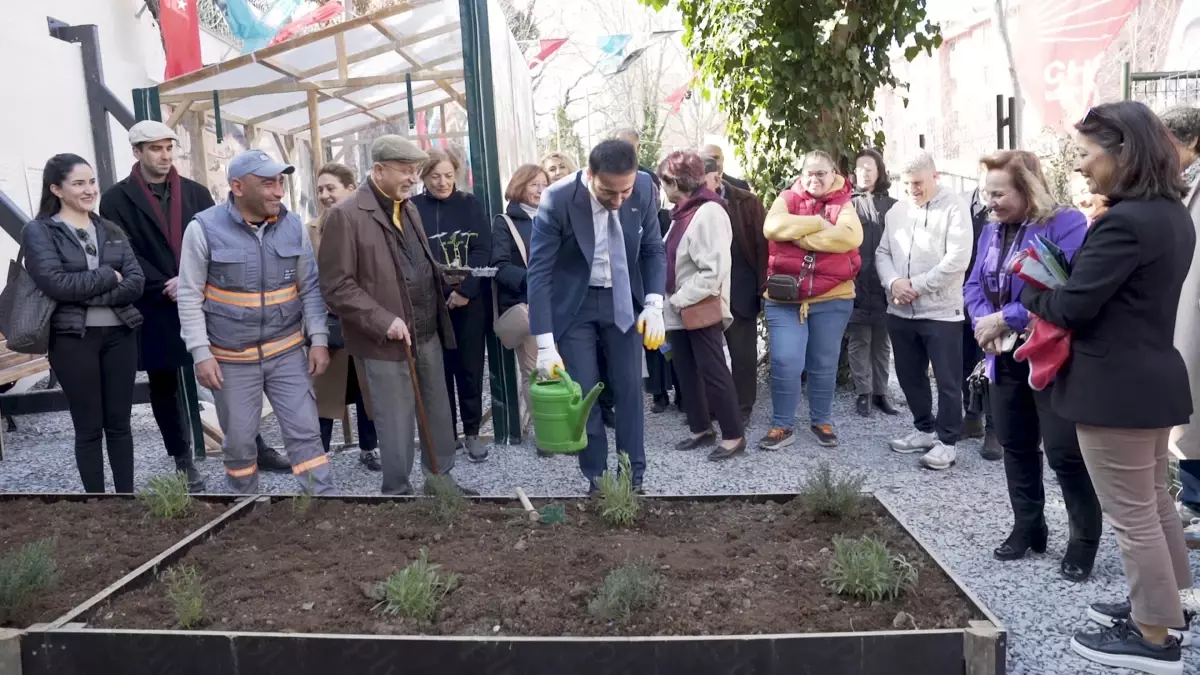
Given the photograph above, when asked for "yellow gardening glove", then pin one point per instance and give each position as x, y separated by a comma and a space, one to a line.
650, 323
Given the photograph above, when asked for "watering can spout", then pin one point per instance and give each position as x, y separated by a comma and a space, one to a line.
585, 409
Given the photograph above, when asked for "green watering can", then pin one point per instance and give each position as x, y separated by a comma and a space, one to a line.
560, 412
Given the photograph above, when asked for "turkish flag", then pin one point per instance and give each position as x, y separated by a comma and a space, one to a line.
1060, 44
319, 15
179, 21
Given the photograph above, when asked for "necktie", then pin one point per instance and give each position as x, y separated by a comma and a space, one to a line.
619, 267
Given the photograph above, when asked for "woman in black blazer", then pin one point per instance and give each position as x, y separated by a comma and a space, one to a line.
1125, 385
510, 257
87, 265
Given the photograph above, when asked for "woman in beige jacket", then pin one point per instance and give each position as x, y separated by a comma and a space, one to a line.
340, 384
699, 259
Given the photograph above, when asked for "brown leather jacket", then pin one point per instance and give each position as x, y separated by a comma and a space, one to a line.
749, 276
359, 267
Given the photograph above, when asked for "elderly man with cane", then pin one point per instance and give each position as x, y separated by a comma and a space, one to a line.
380, 277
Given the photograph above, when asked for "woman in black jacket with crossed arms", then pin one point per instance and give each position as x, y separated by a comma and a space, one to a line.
87, 265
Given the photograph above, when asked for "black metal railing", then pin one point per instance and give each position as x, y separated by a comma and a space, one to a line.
1161, 90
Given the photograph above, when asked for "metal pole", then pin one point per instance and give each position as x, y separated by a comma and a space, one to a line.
1012, 123
1126, 81
999, 121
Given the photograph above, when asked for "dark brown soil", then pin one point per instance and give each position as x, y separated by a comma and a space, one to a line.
95, 543
728, 568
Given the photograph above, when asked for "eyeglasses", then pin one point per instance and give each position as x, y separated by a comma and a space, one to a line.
85, 238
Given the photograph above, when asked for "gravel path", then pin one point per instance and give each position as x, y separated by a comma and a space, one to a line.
962, 513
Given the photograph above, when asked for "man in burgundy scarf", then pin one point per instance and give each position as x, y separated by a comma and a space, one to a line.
153, 205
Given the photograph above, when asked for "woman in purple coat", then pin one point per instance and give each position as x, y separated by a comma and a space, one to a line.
1022, 207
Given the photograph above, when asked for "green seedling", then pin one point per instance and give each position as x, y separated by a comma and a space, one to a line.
167, 496
447, 500
416, 590
827, 494
25, 573
186, 593
302, 503
619, 502
864, 568
625, 590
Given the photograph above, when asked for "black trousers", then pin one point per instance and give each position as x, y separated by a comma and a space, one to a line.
742, 338
367, 439
96, 373
168, 411
915, 344
699, 358
464, 366
972, 355
1023, 417
606, 400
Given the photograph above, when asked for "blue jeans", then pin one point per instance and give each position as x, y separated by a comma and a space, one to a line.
813, 345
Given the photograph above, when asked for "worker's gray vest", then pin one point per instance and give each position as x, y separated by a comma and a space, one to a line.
252, 303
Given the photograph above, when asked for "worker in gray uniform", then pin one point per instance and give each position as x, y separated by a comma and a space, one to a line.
248, 294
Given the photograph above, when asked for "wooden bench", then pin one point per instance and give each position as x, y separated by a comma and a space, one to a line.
13, 367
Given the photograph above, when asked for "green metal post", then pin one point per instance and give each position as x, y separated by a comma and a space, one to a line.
1126, 82
485, 165
146, 106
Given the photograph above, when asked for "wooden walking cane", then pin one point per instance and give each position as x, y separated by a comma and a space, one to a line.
422, 418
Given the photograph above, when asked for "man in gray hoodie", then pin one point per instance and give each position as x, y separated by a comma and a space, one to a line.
921, 261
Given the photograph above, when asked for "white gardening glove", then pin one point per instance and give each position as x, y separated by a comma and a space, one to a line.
650, 323
548, 360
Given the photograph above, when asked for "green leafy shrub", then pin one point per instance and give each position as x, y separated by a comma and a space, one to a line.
619, 502
167, 496
827, 494
625, 590
24, 574
416, 590
186, 593
865, 569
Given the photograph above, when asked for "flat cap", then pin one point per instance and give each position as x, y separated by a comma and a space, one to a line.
148, 131
258, 163
393, 148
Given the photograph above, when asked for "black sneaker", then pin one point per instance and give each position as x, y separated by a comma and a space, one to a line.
269, 459
825, 435
370, 459
1122, 646
1109, 614
661, 403
862, 405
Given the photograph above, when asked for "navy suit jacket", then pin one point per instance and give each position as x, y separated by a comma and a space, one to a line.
564, 240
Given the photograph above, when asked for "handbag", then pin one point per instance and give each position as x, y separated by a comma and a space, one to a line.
25, 311
707, 312
512, 327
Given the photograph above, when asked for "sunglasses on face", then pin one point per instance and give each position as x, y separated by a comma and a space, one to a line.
85, 238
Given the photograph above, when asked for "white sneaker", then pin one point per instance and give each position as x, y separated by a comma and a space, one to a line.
940, 457
917, 441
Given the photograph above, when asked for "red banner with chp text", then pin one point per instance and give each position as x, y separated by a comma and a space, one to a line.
179, 21
1059, 45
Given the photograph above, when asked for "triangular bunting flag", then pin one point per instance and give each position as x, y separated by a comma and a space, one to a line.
613, 47
317, 16
545, 49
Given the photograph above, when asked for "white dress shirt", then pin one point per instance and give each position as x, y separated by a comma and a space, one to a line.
601, 269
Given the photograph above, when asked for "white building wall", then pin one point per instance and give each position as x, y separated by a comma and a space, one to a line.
44, 102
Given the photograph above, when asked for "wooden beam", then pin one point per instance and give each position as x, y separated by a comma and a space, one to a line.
377, 104
289, 45
314, 120
360, 56
391, 118
339, 143
251, 132
317, 85
295, 77
266, 117
199, 149
178, 113
404, 54
339, 45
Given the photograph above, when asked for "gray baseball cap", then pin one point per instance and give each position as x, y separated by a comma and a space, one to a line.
258, 163
148, 131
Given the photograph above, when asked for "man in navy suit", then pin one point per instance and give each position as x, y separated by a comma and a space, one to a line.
596, 278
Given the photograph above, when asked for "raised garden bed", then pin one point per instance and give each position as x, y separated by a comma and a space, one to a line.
741, 587
93, 541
